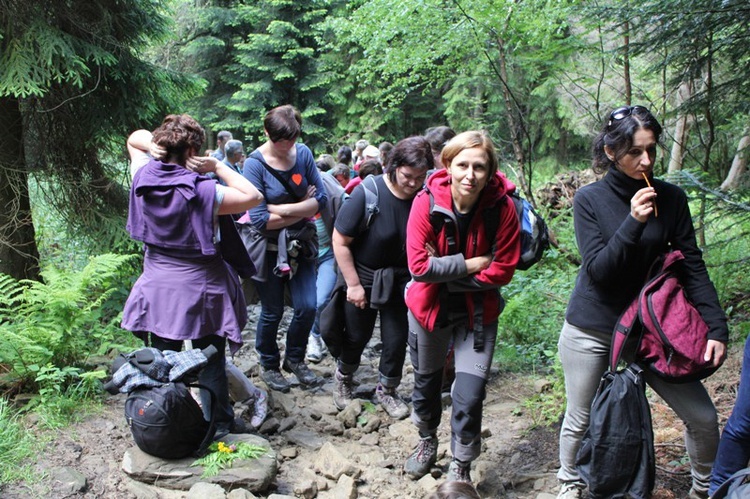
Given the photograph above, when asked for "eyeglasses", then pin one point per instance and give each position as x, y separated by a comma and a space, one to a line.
419, 179
624, 112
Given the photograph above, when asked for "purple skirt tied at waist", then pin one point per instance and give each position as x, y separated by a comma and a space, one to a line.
186, 298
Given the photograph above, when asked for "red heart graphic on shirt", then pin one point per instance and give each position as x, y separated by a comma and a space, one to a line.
297, 178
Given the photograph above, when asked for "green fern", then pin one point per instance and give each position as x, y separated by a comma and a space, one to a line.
60, 321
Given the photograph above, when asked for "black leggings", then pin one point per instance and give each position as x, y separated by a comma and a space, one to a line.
394, 330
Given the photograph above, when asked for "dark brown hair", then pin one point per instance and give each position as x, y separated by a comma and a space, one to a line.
179, 134
370, 167
283, 123
414, 152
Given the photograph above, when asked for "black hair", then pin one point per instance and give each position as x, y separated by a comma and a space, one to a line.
617, 135
344, 155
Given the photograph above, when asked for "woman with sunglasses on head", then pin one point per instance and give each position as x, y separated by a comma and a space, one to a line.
371, 255
454, 298
623, 223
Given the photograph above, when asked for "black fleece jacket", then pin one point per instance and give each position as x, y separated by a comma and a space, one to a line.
618, 250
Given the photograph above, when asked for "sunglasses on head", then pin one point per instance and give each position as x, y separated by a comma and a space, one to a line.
624, 112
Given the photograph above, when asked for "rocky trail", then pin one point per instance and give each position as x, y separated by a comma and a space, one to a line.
358, 453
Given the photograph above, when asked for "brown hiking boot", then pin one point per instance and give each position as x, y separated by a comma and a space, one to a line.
391, 402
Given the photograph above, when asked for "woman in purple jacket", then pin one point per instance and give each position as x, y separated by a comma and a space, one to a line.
187, 291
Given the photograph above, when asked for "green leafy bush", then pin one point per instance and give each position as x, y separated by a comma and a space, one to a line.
59, 323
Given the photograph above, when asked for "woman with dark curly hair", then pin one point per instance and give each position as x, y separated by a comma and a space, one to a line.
623, 223
187, 291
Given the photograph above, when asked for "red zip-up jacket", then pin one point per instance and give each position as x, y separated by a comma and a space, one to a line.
431, 274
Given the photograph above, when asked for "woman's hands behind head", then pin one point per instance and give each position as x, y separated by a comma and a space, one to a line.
202, 164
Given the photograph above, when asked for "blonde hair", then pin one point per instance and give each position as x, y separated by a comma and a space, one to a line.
470, 140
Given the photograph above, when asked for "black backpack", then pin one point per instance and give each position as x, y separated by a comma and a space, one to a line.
616, 458
167, 422
164, 418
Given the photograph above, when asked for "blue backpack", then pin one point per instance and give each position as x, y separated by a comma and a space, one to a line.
534, 232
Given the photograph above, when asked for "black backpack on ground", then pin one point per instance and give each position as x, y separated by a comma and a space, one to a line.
164, 418
167, 422
616, 458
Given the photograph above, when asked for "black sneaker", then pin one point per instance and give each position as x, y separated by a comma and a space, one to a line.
304, 374
275, 380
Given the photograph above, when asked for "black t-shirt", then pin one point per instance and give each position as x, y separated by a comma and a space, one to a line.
383, 244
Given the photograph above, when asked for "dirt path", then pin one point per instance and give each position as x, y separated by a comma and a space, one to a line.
516, 462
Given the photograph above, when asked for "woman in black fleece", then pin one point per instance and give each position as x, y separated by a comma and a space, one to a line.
622, 225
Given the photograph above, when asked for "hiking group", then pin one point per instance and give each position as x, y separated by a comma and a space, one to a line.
424, 246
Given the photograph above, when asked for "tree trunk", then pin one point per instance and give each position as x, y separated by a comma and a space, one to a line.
626, 65
739, 164
680, 131
19, 256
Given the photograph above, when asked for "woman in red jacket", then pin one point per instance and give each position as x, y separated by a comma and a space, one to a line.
454, 293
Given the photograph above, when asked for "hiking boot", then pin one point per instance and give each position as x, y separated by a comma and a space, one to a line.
305, 376
459, 472
275, 380
571, 490
423, 457
391, 402
260, 409
316, 349
342, 389
694, 494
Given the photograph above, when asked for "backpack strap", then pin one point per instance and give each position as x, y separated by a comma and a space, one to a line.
203, 448
491, 220
256, 156
371, 202
440, 221
731, 483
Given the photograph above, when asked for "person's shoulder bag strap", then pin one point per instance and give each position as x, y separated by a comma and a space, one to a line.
255, 155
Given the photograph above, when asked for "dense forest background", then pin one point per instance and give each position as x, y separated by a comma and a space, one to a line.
77, 76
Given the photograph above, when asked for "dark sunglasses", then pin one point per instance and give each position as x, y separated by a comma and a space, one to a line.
624, 112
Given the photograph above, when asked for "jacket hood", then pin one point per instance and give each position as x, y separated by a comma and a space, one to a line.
498, 186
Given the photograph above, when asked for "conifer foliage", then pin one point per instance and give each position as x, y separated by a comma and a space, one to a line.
72, 77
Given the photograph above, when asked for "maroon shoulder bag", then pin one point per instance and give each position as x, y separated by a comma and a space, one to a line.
673, 333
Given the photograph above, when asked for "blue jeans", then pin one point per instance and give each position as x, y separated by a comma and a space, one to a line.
324, 284
734, 447
271, 292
